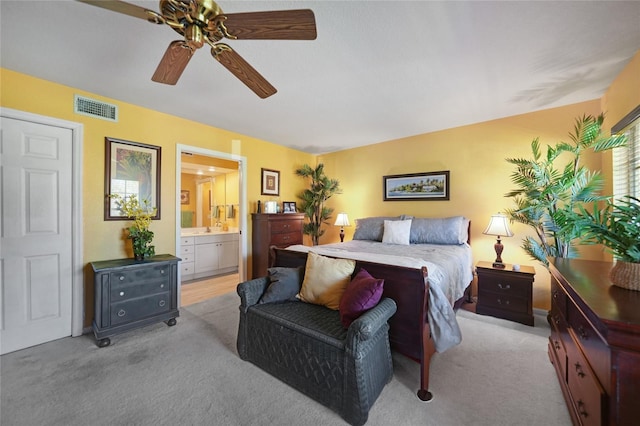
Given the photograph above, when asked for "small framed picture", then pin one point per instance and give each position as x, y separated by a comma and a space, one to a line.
289, 207
270, 182
184, 197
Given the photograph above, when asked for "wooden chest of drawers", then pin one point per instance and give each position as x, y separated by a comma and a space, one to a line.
130, 294
595, 343
280, 230
505, 293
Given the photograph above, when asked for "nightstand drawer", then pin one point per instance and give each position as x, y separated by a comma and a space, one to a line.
505, 284
503, 301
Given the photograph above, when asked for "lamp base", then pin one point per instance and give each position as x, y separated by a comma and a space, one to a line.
498, 265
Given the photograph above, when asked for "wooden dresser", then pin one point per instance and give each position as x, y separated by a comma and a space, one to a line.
595, 343
271, 229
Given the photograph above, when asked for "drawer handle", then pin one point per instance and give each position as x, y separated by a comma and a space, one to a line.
556, 318
556, 344
121, 313
122, 293
162, 303
285, 237
161, 285
555, 294
504, 287
506, 302
581, 409
161, 271
121, 278
582, 332
579, 370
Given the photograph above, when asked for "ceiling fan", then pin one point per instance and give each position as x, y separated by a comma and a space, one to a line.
202, 21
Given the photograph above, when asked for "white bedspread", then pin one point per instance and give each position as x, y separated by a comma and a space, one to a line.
450, 271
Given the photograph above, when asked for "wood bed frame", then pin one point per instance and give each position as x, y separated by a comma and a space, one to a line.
409, 330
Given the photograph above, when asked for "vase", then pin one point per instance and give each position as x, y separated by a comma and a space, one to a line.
626, 275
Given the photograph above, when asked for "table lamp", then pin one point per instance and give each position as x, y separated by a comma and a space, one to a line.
498, 226
342, 220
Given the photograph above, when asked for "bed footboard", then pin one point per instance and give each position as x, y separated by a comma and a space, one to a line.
409, 332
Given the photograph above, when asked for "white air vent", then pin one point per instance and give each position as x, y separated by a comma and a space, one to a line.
96, 109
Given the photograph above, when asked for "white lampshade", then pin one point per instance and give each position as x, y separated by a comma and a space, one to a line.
499, 225
342, 220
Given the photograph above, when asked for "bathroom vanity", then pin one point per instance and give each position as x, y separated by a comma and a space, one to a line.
207, 253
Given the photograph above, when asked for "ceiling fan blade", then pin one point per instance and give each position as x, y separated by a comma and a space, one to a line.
242, 70
121, 7
173, 63
273, 25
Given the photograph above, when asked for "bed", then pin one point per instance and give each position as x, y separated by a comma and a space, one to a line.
427, 267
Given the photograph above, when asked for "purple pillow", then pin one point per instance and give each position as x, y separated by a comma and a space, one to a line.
363, 293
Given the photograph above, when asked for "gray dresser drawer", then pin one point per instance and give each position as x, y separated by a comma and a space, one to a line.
133, 290
135, 309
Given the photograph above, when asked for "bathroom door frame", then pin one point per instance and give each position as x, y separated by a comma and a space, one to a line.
242, 172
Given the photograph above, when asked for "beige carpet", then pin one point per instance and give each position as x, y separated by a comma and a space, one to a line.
190, 374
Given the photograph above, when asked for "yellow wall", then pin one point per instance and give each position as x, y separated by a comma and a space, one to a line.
103, 240
475, 156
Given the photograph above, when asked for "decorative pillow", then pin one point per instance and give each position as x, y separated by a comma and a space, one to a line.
450, 230
284, 284
363, 293
371, 228
396, 232
325, 280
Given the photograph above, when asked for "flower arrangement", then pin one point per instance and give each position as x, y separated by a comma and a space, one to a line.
139, 232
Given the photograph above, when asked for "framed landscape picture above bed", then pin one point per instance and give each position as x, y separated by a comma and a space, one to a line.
416, 186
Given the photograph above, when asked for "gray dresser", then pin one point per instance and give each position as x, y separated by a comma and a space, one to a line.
130, 294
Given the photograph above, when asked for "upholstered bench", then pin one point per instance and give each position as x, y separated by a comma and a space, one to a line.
306, 346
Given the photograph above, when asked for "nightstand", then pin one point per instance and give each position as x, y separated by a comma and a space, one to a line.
505, 293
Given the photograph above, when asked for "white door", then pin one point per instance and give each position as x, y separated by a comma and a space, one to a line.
36, 242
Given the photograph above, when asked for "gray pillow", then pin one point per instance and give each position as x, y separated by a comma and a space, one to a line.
371, 228
449, 230
284, 284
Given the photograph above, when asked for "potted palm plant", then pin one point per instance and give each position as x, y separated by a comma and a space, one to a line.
547, 193
139, 233
617, 227
321, 188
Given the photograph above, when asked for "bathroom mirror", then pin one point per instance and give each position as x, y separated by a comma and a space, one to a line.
209, 192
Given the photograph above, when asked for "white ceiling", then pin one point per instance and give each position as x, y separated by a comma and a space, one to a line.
379, 70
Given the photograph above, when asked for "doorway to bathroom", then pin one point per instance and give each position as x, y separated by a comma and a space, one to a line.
211, 237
